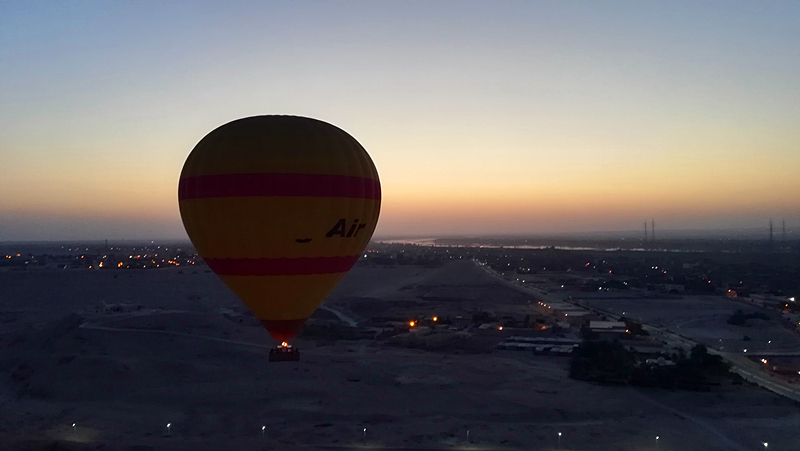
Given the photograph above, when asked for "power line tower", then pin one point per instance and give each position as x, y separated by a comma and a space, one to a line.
653, 231
770, 234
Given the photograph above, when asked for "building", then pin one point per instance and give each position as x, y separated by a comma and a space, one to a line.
609, 330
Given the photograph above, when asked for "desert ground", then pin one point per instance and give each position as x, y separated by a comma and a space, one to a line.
192, 357
704, 319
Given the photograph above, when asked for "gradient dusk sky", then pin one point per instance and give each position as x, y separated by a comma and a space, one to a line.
482, 117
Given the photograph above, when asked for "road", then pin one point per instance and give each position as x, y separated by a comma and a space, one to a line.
342, 317
740, 364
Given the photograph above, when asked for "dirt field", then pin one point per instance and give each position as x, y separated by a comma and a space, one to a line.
705, 319
200, 365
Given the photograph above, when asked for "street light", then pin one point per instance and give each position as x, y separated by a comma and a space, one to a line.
365, 435
263, 430
73, 427
766, 445
656, 442
169, 431
559, 440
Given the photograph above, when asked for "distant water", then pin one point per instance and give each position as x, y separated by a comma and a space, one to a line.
432, 242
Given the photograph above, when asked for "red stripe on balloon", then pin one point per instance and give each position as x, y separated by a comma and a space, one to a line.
253, 185
280, 266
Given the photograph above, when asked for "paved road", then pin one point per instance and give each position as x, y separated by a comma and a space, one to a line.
740, 364
352, 322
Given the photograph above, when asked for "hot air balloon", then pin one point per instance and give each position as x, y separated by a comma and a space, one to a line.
280, 208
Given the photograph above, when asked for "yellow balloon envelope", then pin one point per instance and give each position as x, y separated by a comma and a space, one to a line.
280, 208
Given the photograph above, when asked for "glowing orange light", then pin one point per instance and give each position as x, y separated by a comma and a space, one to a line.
435, 318
500, 328
411, 323
119, 265
284, 344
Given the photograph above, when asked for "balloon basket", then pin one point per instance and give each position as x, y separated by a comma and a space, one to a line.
284, 353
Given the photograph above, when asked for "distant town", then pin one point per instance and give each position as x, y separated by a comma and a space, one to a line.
98, 257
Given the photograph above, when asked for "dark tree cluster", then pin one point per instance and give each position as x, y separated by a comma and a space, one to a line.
739, 318
608, 362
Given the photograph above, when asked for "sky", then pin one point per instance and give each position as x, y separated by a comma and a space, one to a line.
482, 117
